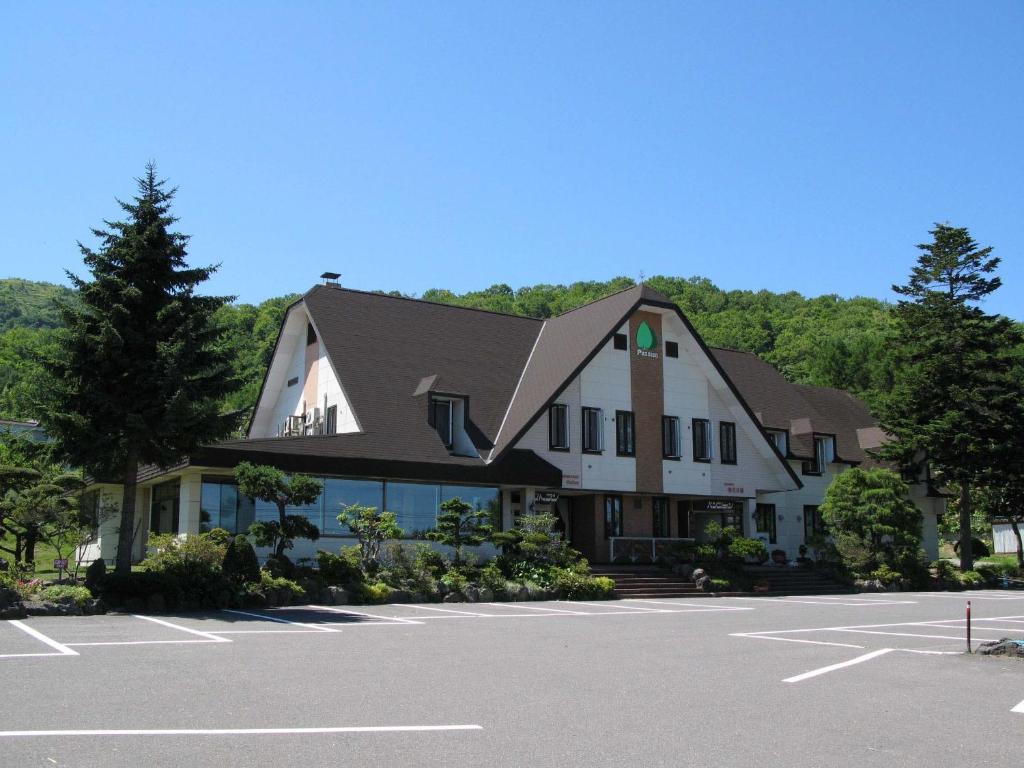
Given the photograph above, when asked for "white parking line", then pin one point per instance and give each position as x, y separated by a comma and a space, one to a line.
62, 650
207, 635
476, 614
833, 667
279, 620
1019, 708
698, 606
548, 610
792, 640
243, 731
382, 620
622, 608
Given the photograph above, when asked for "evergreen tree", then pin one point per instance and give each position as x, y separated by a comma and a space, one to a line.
953, 385
139, 375
460, 525
267, 483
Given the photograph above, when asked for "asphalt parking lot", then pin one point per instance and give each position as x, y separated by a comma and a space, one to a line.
866, 680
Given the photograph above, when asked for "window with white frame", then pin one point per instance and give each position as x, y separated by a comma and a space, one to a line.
780, 438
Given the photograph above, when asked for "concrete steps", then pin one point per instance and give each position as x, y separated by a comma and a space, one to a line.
647, 582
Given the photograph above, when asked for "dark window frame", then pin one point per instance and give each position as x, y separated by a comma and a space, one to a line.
625, 417
331, 420
727, 448
704, 457
620, 342
564, 410
671, 349
450, 407
660, 504
599, 433
671, 449
766, 513
613, 516
815, 467
812, 514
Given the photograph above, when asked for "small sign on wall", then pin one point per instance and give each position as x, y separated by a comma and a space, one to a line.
545, 497
733, 489
570, 481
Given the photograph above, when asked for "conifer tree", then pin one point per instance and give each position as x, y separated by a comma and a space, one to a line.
138, 375
954, 386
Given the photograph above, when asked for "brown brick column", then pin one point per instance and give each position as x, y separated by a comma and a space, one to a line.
647, 384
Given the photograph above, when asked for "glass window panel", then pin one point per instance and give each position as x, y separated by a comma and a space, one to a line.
341, 492
209, 507
415, 506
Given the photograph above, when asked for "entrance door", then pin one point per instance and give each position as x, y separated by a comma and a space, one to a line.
683, 515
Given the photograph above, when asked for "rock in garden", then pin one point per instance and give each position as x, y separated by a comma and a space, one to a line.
454, 597
337, 596
472, 594
698, 573
703, 582
16, 611
485, 595
1004, 647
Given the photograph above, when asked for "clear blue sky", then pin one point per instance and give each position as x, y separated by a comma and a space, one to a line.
780, 145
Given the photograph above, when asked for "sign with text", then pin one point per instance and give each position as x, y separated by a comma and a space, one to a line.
570, 481
60, 564
545, 497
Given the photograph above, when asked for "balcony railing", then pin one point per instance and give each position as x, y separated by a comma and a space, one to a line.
636, 548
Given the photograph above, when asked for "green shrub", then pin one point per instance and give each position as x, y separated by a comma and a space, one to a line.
375, 592
886, 575
945, 570
455, 581
969, 578
400, 571
428, 559
720, 585
66, 592
220, 536
240, 562
191, 570
94, 574
269, 581
743, 548
572, 585
339, 570
493, 579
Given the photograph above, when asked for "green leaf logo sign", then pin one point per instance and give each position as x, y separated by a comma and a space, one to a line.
645, 336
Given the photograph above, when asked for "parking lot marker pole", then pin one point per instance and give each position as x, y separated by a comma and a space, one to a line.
968, 626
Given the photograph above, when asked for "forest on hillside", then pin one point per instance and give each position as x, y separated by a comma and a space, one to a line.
826, 340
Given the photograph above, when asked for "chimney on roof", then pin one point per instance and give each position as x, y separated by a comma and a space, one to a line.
330, 278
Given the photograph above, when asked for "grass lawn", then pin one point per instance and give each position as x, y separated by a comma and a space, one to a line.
45, 555
1007, 560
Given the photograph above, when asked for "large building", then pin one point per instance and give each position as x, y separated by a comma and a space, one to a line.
615, 416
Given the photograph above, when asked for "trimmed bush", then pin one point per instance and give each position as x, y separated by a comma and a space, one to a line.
572, 585
969, 578
240, 562
743, 548
340, 570
94, 575
60, 593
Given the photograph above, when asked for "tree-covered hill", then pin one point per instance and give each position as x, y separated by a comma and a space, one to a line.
27, 304
826, 340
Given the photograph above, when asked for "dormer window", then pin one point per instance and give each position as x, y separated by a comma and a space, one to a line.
441, 419
824, 454
780, 438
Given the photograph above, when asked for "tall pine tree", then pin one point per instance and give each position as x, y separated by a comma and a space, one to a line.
954, 385
140, 375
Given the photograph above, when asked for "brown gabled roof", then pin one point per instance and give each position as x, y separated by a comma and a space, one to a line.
389, 351
565, 345
801, 409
